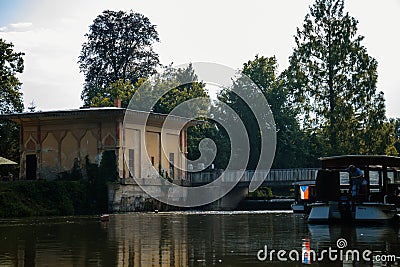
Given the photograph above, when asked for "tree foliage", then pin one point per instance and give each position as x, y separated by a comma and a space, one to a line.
120, 89
396, 125
11, 64
164, 91
118, 50
187, 87
212, 130
332, 80
182, 85
263, 72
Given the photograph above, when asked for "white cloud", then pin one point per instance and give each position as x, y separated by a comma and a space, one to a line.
21, 25
51, 76
17, 27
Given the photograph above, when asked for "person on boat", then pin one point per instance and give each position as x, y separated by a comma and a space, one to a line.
357, 180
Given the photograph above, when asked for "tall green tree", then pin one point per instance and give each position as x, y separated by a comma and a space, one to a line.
11, 64
118, 48
182, 85
396, 123
164, 91
289, 149
263, 72
188, 87
332, 80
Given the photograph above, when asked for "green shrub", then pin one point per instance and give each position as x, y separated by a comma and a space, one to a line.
45, 198
265, 192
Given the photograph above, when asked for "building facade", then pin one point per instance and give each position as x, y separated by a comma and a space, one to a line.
54, 142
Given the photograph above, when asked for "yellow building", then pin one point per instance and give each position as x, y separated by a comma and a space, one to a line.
53, 142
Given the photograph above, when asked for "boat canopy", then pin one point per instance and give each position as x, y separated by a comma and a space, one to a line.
382, 163
299, 183
361, 161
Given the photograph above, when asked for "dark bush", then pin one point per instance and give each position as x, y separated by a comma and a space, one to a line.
45, 198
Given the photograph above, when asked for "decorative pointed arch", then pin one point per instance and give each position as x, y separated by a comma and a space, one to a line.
109, 141
30, 145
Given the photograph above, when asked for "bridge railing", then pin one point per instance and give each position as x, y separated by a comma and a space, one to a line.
274, 175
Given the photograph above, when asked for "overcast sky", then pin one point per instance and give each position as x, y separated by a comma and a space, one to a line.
51, 34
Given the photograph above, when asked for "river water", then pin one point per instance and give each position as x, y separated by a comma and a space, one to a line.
187, 239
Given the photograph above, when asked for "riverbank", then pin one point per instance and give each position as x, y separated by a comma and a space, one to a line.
86, 197
272, 203
48, 198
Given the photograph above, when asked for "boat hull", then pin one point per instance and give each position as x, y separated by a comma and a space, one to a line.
301, 208
368, 212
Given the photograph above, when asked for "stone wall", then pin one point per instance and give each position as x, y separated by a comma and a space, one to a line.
130, 197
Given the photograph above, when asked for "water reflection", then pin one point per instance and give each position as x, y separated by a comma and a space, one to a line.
178, 239
58, 241
364, 235
142, 240
201, 239
381, 240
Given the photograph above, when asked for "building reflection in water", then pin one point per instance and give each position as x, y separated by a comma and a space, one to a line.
201, 239
149, 240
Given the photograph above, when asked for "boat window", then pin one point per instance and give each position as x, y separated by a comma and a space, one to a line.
396, 176
390, 177
374, 177
344, 178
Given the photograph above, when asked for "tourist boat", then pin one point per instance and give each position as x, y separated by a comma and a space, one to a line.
304, 195
380, 198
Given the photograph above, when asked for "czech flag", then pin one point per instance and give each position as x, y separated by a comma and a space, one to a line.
304, 192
